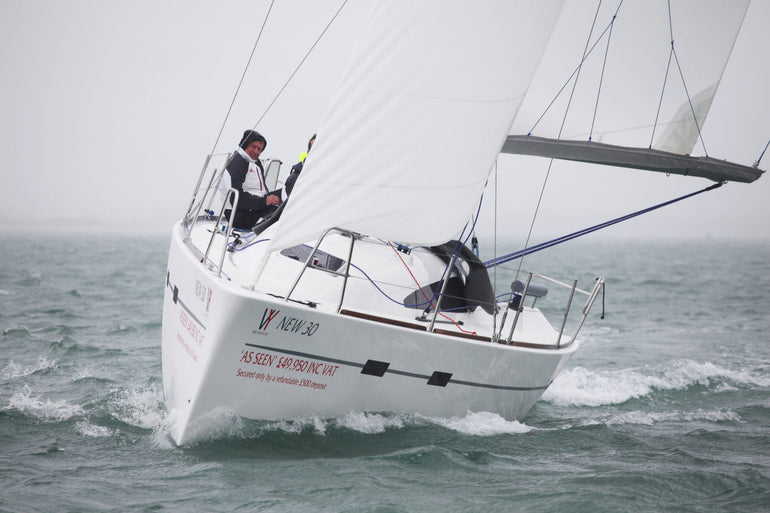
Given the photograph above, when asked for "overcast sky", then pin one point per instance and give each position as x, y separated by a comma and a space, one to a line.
108, 109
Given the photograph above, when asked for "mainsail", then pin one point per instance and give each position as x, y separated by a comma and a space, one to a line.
419, 118
643, 92
436, 89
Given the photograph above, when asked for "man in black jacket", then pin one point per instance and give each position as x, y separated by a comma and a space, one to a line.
246, 174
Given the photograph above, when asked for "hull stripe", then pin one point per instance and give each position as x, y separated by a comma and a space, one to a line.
177, 299
425, 377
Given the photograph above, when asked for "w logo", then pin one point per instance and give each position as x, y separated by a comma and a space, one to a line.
267, 318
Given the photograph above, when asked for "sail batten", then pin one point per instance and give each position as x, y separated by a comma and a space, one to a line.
630, 157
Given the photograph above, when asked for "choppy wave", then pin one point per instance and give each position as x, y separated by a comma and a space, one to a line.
140, 408
629, 426
43, 409
481, 424
650, 418
88, 429
123, 408
222, 425
13, 370
578, 387
584, 387
16, 330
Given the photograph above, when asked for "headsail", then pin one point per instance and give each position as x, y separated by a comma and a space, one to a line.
419, 118
644, 90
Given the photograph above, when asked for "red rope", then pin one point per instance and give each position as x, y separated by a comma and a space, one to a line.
423, 291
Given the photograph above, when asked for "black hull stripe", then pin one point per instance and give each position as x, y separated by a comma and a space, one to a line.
397, 372
181, 303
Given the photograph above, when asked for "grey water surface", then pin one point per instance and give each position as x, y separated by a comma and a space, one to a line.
665, 407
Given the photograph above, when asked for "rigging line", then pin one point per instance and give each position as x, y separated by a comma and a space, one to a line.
684, 82
689, 101
665, 77
455, 251
564, 238
422, 291
461, 243
580, 64
663, 90
561, 129
375, 284
494, 252
601, 78
243, 76
566, 82
494, 248
756, 164
323, 32
435, 294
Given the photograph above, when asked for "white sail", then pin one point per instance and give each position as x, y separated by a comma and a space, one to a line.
633, 92
681, 133
419, 118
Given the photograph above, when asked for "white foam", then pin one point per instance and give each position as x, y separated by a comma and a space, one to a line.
226, 424
370, 423
142, 408
81, 373
583, 387
13, 370
481, 424
45, 410
298, 425
216, 424
92, 430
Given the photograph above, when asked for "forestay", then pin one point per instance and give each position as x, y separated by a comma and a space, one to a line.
419, 118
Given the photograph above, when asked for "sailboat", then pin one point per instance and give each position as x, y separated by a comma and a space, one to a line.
366, 294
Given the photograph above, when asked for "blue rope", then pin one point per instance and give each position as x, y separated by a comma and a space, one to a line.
378, 287
456, 251
232, 245
544, 245
756, 164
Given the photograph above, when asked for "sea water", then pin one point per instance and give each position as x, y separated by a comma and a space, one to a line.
665, 407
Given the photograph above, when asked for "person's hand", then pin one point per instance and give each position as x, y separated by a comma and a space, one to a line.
273, 200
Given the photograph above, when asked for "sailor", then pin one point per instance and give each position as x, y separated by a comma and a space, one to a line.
246, 174
297, 168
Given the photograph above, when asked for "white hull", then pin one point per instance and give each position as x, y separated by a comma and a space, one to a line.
404, 153
226, 348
